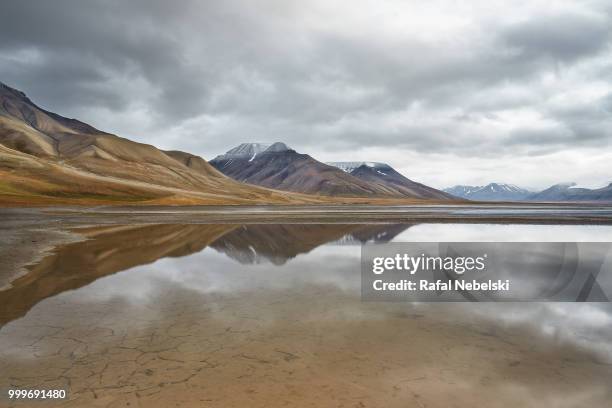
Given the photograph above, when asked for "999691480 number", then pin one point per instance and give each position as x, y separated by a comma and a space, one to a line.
36, 394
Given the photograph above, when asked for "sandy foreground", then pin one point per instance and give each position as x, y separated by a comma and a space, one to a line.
307, 346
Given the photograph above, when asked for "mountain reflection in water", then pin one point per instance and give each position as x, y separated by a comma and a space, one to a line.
110, 249
264, 315
278, 243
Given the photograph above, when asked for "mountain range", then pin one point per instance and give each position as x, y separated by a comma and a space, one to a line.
569, 192
279, 167
46, 158
563, 192
490, 192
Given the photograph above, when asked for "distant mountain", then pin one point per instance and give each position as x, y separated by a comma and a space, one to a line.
47, 158
462, 191
569, 192
280, 167
507, 192
490, 192
385, 176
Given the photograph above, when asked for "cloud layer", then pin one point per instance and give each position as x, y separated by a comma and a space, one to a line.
447, 93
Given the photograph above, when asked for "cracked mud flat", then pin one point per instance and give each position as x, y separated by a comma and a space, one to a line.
235, 316
287, 350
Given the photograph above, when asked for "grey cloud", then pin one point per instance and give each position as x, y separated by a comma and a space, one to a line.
211, 74
97, 41
563, 37
62, 81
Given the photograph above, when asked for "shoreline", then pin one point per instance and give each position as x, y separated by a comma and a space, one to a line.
23, 248
496, 214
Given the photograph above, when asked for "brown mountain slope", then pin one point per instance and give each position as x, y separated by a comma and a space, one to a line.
49, 158
29, 180
16, 104
195, 163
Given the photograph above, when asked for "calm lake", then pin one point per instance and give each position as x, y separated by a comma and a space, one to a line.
265, 315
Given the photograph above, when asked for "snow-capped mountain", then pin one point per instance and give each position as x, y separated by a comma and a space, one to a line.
571, 192
507, 192
490, 192
282, 168
350, 166
279, 167
386, 177
462, 191
250, 150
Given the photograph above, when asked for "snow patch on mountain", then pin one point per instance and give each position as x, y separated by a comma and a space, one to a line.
490, 192
251, 150
350, 166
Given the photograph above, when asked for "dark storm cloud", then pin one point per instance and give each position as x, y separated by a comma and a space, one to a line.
61, 80
528, 78
71, 49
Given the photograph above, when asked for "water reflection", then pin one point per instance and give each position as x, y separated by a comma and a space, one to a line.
266, 315
107, 250
278, 243
111, 249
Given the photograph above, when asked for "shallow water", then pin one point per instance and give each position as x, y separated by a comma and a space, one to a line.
270, 315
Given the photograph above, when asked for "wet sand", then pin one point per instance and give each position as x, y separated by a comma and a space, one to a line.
20, 247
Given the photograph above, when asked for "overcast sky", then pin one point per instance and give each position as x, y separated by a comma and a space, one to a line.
447, 92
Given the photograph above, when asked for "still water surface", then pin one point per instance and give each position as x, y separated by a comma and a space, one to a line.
270, 315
